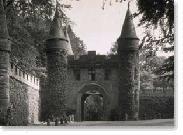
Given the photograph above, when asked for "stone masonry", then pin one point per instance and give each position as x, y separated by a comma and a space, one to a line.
24, 97
128, 70
5, 48
56, 49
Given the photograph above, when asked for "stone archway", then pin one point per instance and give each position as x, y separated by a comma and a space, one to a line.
82, 95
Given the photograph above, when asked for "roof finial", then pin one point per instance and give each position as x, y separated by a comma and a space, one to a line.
128, 5
56, 12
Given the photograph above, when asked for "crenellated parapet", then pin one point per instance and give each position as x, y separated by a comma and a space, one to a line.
92, 59
24, 77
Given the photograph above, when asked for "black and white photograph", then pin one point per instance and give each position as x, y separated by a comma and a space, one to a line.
87, 63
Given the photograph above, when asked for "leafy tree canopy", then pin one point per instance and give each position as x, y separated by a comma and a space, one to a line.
159, 14
158, 17
29, 23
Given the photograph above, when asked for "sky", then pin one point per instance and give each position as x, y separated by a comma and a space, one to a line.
99, 28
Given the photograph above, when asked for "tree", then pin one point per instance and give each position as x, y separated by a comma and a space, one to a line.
159, 14
94, 108
148, 74
77, 44
113, 49
29, 23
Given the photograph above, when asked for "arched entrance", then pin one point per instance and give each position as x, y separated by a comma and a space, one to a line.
92, 106
90, 91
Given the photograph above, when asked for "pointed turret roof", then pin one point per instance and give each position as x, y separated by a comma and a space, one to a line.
128, 29
3, 27
56, 29
69, 48
128, 39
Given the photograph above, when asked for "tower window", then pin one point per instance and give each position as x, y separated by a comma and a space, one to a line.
77, 74
135, 74
91, 74
24, 75
12, 66
16, 70
106, 74
20, 72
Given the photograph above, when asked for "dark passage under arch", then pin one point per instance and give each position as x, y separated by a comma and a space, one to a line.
88, 96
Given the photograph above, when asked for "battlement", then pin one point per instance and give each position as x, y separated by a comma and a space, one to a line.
27, 78
92, 59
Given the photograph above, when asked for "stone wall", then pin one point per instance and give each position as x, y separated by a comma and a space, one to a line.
24, 98
19, 102
152, 104
33, 105
110, 86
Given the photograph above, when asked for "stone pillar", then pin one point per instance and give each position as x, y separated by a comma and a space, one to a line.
128, 71
5, 48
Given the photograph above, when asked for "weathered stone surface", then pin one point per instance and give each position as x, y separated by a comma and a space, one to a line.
33, 105
129, 85
3, 26
128, 29
25, 103
19, 103
57, 75
128, 91
57, 51
4, 64
61, 91
75, 88
43, 100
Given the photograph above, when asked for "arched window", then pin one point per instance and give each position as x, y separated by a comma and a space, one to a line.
106, 74
91, 74
135, 74
77, 74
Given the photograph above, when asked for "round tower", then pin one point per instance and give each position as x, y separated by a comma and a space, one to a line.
5, 48
128, 46
57, 51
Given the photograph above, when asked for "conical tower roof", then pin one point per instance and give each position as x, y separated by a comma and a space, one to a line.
3, 27
56, 29
128, 39
69, 48
128, 29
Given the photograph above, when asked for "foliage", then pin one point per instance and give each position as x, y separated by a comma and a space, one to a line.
151, 67
157, 12
29, 23
113, 49
77, 44
160, 15
94, 108
157, 107
27, 30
